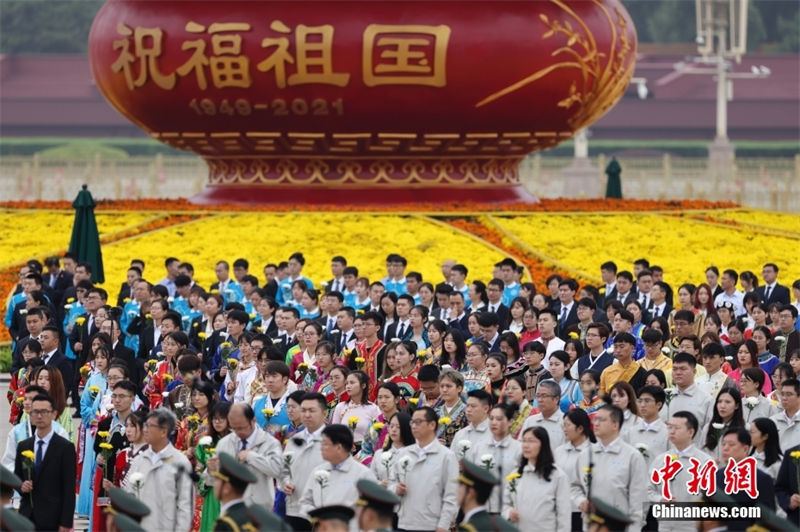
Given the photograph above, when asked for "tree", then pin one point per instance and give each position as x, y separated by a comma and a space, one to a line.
60, 26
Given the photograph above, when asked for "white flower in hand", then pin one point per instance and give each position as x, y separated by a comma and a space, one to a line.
205, 441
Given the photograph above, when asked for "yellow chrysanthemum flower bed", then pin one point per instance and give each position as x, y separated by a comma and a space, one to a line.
773, 220
683, 247
364, 239
25, 234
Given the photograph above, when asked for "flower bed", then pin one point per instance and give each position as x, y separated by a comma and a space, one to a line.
684, 248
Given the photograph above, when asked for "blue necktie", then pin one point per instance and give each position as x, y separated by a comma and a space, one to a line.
563, 315
39, 455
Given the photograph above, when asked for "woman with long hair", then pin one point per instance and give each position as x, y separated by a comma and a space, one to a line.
92, 394
624, 397
417, 317
454, 350
762, 337
49, 378
324, 361
387, 399
747, 357
304, 362
406, 376
516, 311
727, 414
766, 445
399, 436
478, 299
388, 310
357, 411
509, 346
703, 301
578, 433
590, 384
755, 404
538, 473
335, 389
218, 428
495, 367
475, 376
437, 329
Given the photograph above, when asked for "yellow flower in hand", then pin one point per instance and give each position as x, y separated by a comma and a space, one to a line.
28, 455
103, 434
107, 446
444, 420
80, 321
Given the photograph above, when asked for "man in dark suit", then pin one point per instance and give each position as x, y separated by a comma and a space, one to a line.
332, 302
118, 349
659, 307
787, 318
567, 309
271, 285
56, 279
34, 323
338, 264
494, 291
772, 292
126, 289
344, 334
607, 290
736, 444
459, 314
48, 489
786, 488
625, 291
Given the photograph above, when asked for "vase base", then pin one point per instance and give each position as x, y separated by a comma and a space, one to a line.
260, 195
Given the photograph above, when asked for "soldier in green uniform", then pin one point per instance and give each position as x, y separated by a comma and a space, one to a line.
335, 518
9, 482
122, 502
606, 518
375, 506
14, 522
475, 487
232, 479
123, 523
264, 520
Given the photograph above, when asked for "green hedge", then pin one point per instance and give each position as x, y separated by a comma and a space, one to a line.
145, 146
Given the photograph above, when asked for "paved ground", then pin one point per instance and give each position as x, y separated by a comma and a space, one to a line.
5, 427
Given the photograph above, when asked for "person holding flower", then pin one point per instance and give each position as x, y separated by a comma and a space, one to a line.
727, 414
304, 361
357, 405
452, 413
319, 378
111, 437
515, 394
454, 350
46, 463
247, 371
162, 372
32, 350
388, 397
335, 389
399, 437
755, 404
437, 329
538, 473
218, 428
93, 392
428, 500
578, 434
271, 410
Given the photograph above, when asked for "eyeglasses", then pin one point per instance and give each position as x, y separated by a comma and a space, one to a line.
420, 421
644, 400
121, 396
544, 395
151, 426
40, 412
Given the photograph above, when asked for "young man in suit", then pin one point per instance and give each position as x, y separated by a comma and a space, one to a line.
56, 279
772, 292
608, 290
567, 309
48, 489
494, 291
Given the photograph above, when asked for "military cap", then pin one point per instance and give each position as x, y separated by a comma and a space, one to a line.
126, 503
125, 523
337, 512
476, 476
373, 495
265, 520
233, 471
608, 516
8, 479
14, 522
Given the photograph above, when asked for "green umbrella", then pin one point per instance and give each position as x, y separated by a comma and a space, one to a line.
614, 186
85, 241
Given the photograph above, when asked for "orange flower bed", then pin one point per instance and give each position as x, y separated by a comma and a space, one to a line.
538, 269
545, 205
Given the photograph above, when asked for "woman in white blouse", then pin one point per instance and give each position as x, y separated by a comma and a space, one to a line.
358, 412
399, 436
550, 509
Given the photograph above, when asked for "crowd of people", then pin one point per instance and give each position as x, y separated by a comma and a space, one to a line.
358, 404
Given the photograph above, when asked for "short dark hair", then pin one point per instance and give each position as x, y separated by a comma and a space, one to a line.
277, 367
430, 414
126, 385
714, 349
684, 315
482, 396
318, 397
652, 336
735, 276
657, 392
239, 315
685, 357
341, 260
339, 435
610, 266
624, 337
460, 268
488, 319
691, 420
614, 412
45, 397
428, 373
625, 274
742, 435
